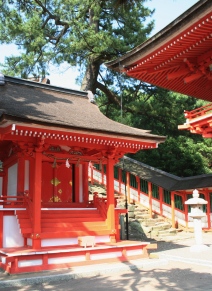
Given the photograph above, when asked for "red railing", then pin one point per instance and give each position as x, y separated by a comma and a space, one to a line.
12, 201
204, 110
101, 204
19, 201
29, 205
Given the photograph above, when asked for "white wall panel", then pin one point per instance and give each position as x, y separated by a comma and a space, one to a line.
12, 180
11, 232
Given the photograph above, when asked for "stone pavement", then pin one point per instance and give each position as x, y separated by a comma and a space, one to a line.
173, 251
181, 248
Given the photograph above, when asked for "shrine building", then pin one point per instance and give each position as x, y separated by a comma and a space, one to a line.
178, 58
49, 136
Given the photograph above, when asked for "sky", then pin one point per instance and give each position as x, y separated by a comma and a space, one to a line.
165, 12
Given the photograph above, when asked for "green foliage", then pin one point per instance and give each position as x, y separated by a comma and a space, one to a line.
181, 156
86, 34
71, 31
160, 111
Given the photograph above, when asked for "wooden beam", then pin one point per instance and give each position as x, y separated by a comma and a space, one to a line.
192, 78
179, 73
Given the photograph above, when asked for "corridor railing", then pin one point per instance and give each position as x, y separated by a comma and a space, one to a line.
169, 204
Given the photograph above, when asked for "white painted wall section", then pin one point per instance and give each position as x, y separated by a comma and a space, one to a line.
12, 180
11, 232
26, 176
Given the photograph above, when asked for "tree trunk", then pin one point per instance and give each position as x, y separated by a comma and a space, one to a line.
93, 66
90, 78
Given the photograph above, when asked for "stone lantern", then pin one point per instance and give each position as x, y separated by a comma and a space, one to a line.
197, 214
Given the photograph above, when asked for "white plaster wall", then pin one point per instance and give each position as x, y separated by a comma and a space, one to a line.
80, 184
167, 211
144, 200
180, 217
102, 238
156, 205
11, 232
59, 242
105, 179
66, 260
134, 194
107, 255
116, 185
12, 180
123, 188
29, 263
97, 176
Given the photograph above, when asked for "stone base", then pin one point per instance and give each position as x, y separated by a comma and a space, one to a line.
199, 248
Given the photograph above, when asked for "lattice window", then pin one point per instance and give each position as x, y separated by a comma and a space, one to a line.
178, 202
123, 178
133, 182
144, 186
167, 196
155, 191
116, 173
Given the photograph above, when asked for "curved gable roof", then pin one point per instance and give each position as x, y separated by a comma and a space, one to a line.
48, 105
179, 57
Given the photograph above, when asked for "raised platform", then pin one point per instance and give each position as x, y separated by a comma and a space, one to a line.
21, 260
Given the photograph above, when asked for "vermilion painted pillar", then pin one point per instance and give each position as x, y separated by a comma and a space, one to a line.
91, 171
5, 182
150, 198
110, 197
172, 209
77, 182
1, 229
186, 208
138, 187
120, 180
21, 175
102, 174
207, 198
36, 241
128, 186
85, 182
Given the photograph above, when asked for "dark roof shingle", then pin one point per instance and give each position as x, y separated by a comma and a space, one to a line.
163, 179
63, 107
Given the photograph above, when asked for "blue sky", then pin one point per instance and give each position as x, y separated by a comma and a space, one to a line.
165, 12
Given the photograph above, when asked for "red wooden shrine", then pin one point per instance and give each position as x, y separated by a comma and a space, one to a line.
49, 137
199, 121
178, 58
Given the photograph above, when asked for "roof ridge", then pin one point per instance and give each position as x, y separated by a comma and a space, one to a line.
21, 81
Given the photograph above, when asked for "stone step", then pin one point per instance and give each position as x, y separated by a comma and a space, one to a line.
139, 212
153, 221
140, 208
167, 232
143, 217
161, 226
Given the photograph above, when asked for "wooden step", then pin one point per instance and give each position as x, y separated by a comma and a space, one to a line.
26, 223
74, 233
22, 215
64, 223
70, 212
76, 229
73, 224
72, 220
26, 230
50, 216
